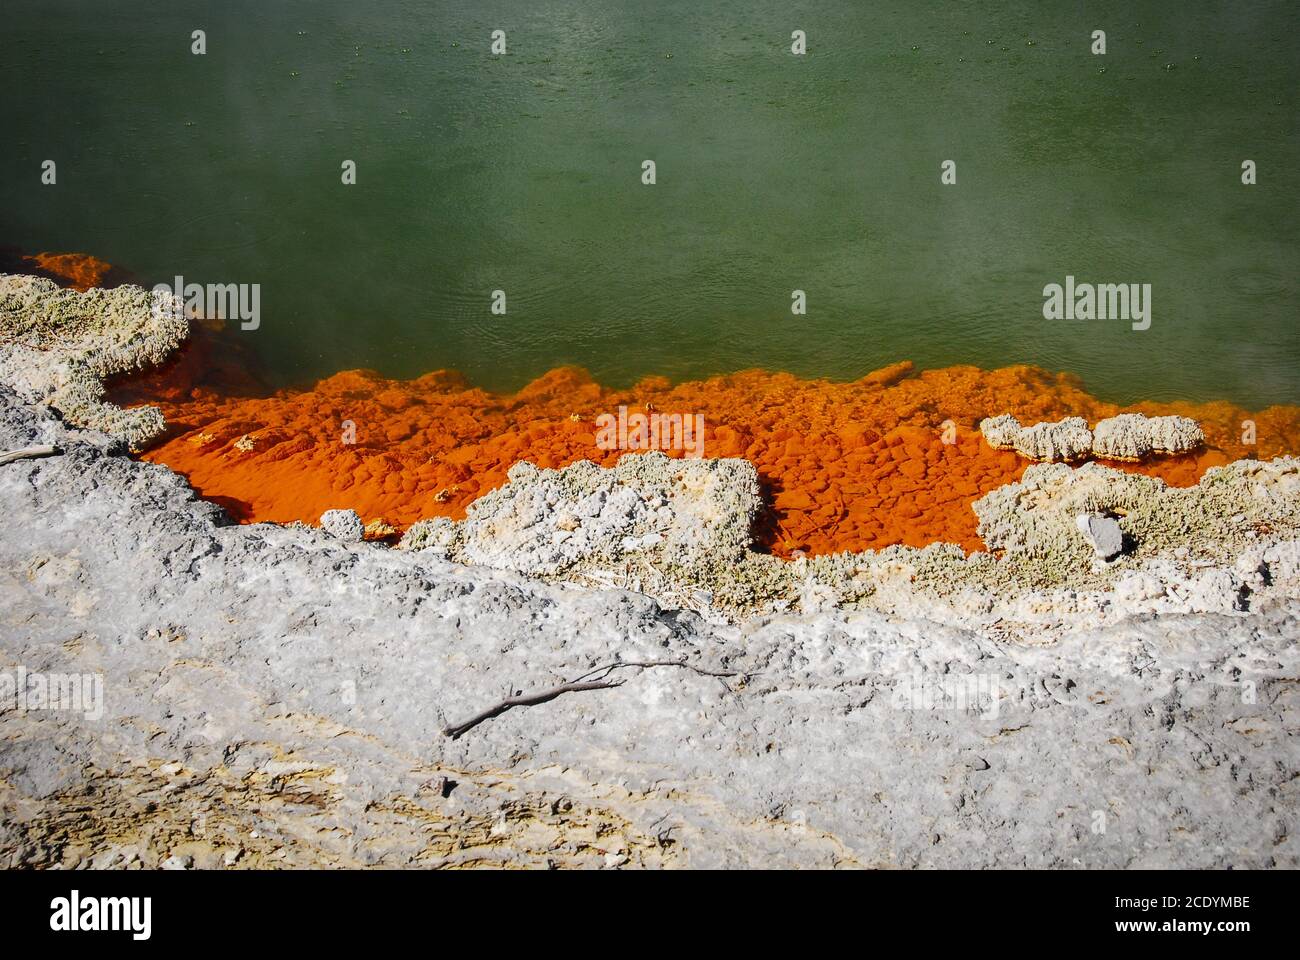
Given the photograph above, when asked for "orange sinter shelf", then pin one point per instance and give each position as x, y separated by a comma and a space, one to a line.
847, 466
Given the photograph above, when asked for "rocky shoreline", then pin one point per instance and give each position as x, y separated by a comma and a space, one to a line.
596, 668
278, 696
680, 531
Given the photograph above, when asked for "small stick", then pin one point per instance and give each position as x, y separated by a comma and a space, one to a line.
591, 680
525, 700
27, 453
605, 670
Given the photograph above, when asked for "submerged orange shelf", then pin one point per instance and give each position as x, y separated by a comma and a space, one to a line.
847, 466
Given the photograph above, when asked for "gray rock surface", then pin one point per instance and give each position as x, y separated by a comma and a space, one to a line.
343, 525
273, 696
1103, 533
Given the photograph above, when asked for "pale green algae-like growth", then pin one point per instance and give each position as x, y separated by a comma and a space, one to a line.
57, 346
680, 530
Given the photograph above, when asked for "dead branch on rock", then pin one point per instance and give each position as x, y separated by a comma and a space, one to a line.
28, 453
604, 671
596, 679
524, 700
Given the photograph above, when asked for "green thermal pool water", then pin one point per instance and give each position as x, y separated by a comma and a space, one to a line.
775, 173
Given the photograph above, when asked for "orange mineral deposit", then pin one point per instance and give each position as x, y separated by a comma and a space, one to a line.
894, 457
80, 271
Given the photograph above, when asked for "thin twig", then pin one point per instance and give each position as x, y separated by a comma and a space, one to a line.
618, 664
28, 453
591, 680
525, 700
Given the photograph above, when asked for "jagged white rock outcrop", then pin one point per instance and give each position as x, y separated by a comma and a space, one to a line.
681, 530
1000, 432
57, 346
1132, 436
1129, 436
547, 521
1068, 439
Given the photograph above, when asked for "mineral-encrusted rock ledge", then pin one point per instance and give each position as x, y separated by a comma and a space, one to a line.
58, 346
277, 696
680, 531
